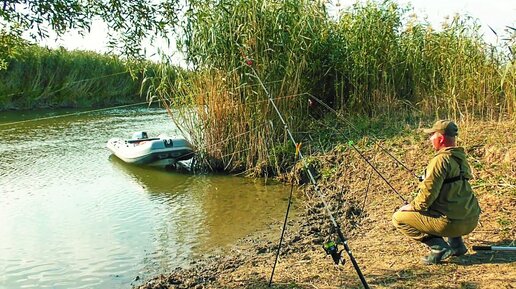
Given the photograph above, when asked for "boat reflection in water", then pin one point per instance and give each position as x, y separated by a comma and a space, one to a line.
208, 212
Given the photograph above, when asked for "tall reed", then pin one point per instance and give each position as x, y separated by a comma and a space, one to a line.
234, 46
381, 63
41, 77
469, 78
374, 60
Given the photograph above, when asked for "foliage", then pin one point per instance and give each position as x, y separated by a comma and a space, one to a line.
381, 65
40, 77
374, 61
9, 47
234, 48
366, 62
129, 21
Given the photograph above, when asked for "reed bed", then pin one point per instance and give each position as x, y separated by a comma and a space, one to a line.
40, 77
376, 59
380, 63
222, 106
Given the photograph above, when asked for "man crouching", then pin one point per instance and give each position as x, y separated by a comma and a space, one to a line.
445, 205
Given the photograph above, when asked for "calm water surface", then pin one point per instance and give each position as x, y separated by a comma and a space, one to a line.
72, 216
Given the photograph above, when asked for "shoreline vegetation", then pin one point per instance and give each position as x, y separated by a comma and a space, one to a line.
384, 73
363, 206
43, 78
385, 80
376, 60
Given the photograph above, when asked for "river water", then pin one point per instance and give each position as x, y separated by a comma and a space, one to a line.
73, 216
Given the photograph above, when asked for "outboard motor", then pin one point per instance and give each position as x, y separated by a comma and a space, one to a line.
140, 135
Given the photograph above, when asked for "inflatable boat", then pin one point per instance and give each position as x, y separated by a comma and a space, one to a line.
156, 151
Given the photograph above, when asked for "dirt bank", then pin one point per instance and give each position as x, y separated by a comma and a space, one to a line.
363, 205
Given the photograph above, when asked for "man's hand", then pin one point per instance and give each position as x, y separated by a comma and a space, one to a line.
406, 208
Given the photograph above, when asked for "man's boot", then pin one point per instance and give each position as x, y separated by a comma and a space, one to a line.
439, 250
457, 246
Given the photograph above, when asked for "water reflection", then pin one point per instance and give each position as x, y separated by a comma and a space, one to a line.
71, 216
216, 209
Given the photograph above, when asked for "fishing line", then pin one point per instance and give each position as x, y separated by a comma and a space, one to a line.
71, 114
367, 190
298, 148
376, 170
225, 89
316, 187
243, 104
377, 141
361, 154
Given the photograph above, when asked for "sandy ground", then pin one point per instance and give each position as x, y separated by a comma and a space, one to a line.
363, 205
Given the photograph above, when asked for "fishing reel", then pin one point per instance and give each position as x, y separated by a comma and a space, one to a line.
332, 249
422, 176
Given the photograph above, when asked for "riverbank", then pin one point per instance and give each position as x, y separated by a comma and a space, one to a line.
42, 78
363, 206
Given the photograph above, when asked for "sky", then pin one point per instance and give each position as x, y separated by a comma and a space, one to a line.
494, 13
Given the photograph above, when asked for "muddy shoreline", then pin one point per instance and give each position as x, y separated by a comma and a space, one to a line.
362, 205
304, 236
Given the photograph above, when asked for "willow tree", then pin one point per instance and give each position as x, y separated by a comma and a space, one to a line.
129, 21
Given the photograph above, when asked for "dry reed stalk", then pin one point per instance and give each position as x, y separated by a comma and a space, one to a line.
365, 63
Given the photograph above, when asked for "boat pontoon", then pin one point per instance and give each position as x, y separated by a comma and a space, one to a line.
158, 151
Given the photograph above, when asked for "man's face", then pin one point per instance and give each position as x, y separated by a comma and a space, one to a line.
437, 140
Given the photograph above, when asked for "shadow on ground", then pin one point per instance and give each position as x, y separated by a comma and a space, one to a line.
417, 275
413, 278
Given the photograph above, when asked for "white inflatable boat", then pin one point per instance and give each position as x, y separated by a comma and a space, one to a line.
157, 151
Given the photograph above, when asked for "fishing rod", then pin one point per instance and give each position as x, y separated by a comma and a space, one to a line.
361, 154
298, 149
356, 130
376, 170
494, 248
331, 247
